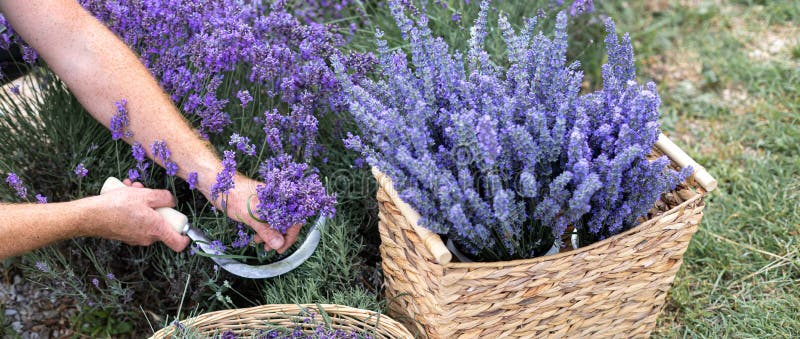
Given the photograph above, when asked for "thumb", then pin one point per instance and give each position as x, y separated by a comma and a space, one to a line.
272, 238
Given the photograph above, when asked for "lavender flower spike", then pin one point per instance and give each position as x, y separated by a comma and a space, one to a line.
224, 182
81, 171
14, 181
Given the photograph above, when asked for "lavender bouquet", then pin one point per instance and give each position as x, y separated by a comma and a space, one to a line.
503, 160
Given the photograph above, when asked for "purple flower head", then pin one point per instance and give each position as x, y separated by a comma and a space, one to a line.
133, 174
41, 266
81, 171
138, 152
289, 195
243, 144
244, 97
160, 151
242, 238
40, 199
120, 122
224, 182
191, 179
579, 7
14, 89
14, 181
96, 282
218, 247
110, 276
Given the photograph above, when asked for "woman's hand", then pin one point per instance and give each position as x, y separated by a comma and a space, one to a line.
239, 197
128, 214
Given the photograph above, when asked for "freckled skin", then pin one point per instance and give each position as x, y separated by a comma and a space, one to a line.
100, 70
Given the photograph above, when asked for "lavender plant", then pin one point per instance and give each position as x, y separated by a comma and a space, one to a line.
503, 159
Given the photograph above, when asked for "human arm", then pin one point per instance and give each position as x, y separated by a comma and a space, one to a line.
100, 70
126, 214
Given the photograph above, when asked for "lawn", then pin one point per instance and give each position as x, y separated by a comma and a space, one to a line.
729, 76
728, 73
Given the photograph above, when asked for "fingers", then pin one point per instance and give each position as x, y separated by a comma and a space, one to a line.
172, 239
128, 182
272, 238
290, 238
160, 198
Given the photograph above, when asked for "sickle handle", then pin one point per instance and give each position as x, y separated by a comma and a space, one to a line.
177, 220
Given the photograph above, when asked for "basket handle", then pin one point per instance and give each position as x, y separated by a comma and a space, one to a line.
677, 155
433, 243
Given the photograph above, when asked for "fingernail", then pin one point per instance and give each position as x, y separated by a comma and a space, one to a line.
276, 243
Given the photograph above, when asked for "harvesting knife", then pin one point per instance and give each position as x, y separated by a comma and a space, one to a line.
180, 223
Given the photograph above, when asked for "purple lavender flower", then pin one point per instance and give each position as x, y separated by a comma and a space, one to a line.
81, 171
40, 199
96, 282
133, 174
138, 152
243, 144
160, 151
579, 7
110, 276
224, 182
120, 121
218, 247
41, 266
14, 181
289, 195
244, 97
242, 238
14, 89
191, 179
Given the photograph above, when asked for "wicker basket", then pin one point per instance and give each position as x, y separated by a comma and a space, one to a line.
612, 288
247, 322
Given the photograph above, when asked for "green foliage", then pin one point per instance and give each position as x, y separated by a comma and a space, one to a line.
101, 323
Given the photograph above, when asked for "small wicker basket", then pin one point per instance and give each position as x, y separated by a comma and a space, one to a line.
247, 322
612, 288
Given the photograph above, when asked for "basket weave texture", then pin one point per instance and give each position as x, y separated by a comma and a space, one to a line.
247, 322
613, 288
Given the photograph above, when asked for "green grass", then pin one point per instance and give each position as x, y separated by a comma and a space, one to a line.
742, 270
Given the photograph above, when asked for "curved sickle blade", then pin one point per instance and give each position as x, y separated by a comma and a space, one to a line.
275, 269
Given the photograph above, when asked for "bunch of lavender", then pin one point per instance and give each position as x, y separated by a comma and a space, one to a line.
503, 160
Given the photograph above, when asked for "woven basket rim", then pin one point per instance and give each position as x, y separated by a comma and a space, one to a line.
383, 321
698, 192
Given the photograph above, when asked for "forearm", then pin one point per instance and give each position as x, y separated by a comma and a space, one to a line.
100, 70
25, 227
